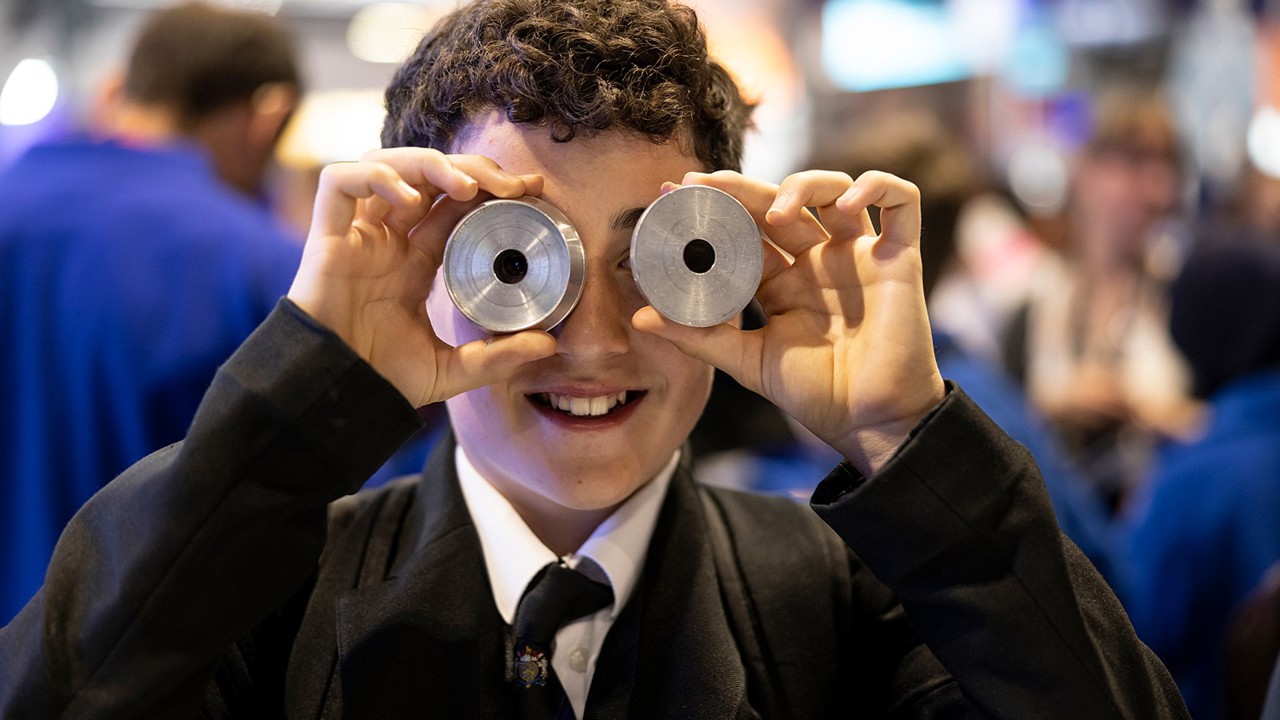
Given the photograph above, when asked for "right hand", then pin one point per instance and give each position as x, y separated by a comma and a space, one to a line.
377, 238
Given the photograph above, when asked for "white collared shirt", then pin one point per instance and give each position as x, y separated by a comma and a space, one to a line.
614, 554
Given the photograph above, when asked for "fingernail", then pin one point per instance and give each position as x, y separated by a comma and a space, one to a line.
667, 187
779, 203
410, 191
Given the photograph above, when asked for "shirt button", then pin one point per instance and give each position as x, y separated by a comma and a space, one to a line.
578, 660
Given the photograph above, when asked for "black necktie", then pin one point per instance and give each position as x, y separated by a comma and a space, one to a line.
556, 595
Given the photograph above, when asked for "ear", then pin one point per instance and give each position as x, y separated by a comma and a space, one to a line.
107, 100
270, 109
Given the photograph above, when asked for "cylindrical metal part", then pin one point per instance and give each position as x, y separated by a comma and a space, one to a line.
512, 265
696, 255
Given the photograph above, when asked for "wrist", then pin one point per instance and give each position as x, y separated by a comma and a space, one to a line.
871, 447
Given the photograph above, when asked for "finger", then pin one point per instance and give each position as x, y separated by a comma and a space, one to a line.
494, 359
772, 262
342, 185
757, 197
820, 189
494, 180
374, 208
431, 234
431, 171
490, 180
532, 184
721, 345
898, 200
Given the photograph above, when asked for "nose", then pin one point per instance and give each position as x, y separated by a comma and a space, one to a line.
600, 326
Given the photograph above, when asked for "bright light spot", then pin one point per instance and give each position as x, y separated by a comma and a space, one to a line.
270, 7
388, 32
1038, 178
332, 126
1263, 141
877, 44
29, 94
984, 30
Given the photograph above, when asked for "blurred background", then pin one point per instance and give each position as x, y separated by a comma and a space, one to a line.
1101, 200
1013, 77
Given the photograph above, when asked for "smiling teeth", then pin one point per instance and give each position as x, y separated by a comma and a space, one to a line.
586, 406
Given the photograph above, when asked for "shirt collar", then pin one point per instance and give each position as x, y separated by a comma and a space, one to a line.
513, 554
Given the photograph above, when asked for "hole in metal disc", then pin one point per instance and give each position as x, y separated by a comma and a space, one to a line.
699, 256
510, 266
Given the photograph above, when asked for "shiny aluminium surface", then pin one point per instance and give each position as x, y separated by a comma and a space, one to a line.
697, 256
512, 265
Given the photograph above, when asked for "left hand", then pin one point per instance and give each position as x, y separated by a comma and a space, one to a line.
847, 350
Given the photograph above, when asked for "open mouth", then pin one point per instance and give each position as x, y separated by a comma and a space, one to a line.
587, 407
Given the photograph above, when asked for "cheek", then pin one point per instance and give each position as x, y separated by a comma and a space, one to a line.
690, 380
629, 295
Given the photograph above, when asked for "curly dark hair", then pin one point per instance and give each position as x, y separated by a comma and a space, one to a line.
573, 66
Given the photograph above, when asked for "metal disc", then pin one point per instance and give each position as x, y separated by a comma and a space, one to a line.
511, 265
696, 256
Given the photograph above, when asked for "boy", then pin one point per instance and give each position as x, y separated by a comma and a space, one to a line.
402, 603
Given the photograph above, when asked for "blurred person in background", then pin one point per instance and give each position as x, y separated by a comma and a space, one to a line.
779, 457
1092, 345
132, 264
1205, 528
1250, 652
1253, 206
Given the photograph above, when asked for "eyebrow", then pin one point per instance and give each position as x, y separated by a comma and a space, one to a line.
625, 220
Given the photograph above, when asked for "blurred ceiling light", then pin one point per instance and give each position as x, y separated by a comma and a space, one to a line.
984, 29
387, 32
1263, 141
270, 7
29, 94
332, 126
879, 44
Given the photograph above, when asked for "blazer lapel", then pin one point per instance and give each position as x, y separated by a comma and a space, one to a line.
428, 640
672, 651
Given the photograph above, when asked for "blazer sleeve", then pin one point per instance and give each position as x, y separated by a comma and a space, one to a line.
196, 544
959, 525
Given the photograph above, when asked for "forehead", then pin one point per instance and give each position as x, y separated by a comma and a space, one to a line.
607, 173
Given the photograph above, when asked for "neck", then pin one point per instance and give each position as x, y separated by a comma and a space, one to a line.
563, 530
144, 124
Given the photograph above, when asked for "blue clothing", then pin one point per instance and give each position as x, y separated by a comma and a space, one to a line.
127, 276
790, 470
1203, 533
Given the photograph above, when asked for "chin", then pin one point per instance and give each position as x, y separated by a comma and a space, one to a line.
598, 492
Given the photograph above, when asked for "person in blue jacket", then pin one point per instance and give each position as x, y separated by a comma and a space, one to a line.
1206, 527
131, 266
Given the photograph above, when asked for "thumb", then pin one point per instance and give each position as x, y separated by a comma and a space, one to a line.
723, 346
483, 362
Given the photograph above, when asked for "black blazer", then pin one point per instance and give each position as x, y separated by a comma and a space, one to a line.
403, 601
219, 578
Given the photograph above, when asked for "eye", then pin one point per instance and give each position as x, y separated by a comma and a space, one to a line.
625, 262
